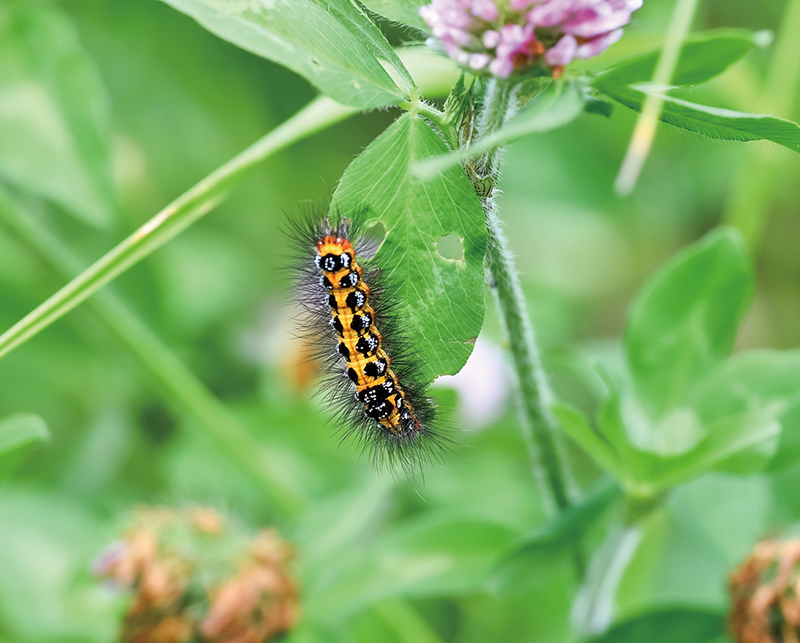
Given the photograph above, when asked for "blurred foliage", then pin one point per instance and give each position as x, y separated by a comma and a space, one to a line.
108, 110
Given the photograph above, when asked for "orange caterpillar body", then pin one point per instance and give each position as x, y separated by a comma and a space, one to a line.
360, 341
371, 375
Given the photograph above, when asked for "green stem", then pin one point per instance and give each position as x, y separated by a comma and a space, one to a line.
182, 212
499, 104
406, 622
595, 604
175, 382
533, 383
593, 610
753, 192
434, 74
645, 130
418, 106
541, 427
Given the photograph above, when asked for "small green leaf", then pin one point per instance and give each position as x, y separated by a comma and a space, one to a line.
306, 37
436, 554
702, 57
758, 381
684, 319
676, 625
403, 11
714, 122
441, 301
637, 466
523, 565
442, 554
597, 106
575, 425
740, 444
559, 104
655, 458
609, 419
787, 452
54, 138
560, 534
20, 435
351, 13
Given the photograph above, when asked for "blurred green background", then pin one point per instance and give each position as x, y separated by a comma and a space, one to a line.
379, 559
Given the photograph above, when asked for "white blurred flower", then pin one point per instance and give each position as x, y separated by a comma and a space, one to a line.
482, 386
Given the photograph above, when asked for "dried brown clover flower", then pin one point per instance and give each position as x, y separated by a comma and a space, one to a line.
765, 593
195, 578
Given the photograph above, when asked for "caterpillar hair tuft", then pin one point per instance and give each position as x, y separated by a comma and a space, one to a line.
370, 374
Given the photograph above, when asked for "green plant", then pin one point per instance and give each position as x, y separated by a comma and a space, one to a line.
680, 407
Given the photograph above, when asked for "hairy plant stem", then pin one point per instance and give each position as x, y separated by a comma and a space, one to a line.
418, 106
534, 389
499, 104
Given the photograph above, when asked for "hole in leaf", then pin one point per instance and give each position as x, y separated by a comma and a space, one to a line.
374, 234
450, 247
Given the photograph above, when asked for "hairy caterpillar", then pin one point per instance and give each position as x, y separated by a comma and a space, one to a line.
370, 375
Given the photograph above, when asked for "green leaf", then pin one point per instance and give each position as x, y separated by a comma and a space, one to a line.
441, 554
641, 459
403, 11
54, 138
575, 425
702, 57
714, 122
738, 444
529, 573
598, 106
684, 625
20, 435
436, 554
46, 590
306, 37
787, 452
539, 553
633, 464
560, 534
683, 322
558, 105
758, 381
352, 14
440, 301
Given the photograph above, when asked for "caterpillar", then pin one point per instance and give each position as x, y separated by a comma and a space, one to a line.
370, 375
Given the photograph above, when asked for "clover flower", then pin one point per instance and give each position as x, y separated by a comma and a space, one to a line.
765, 594
195, 578
505, 36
